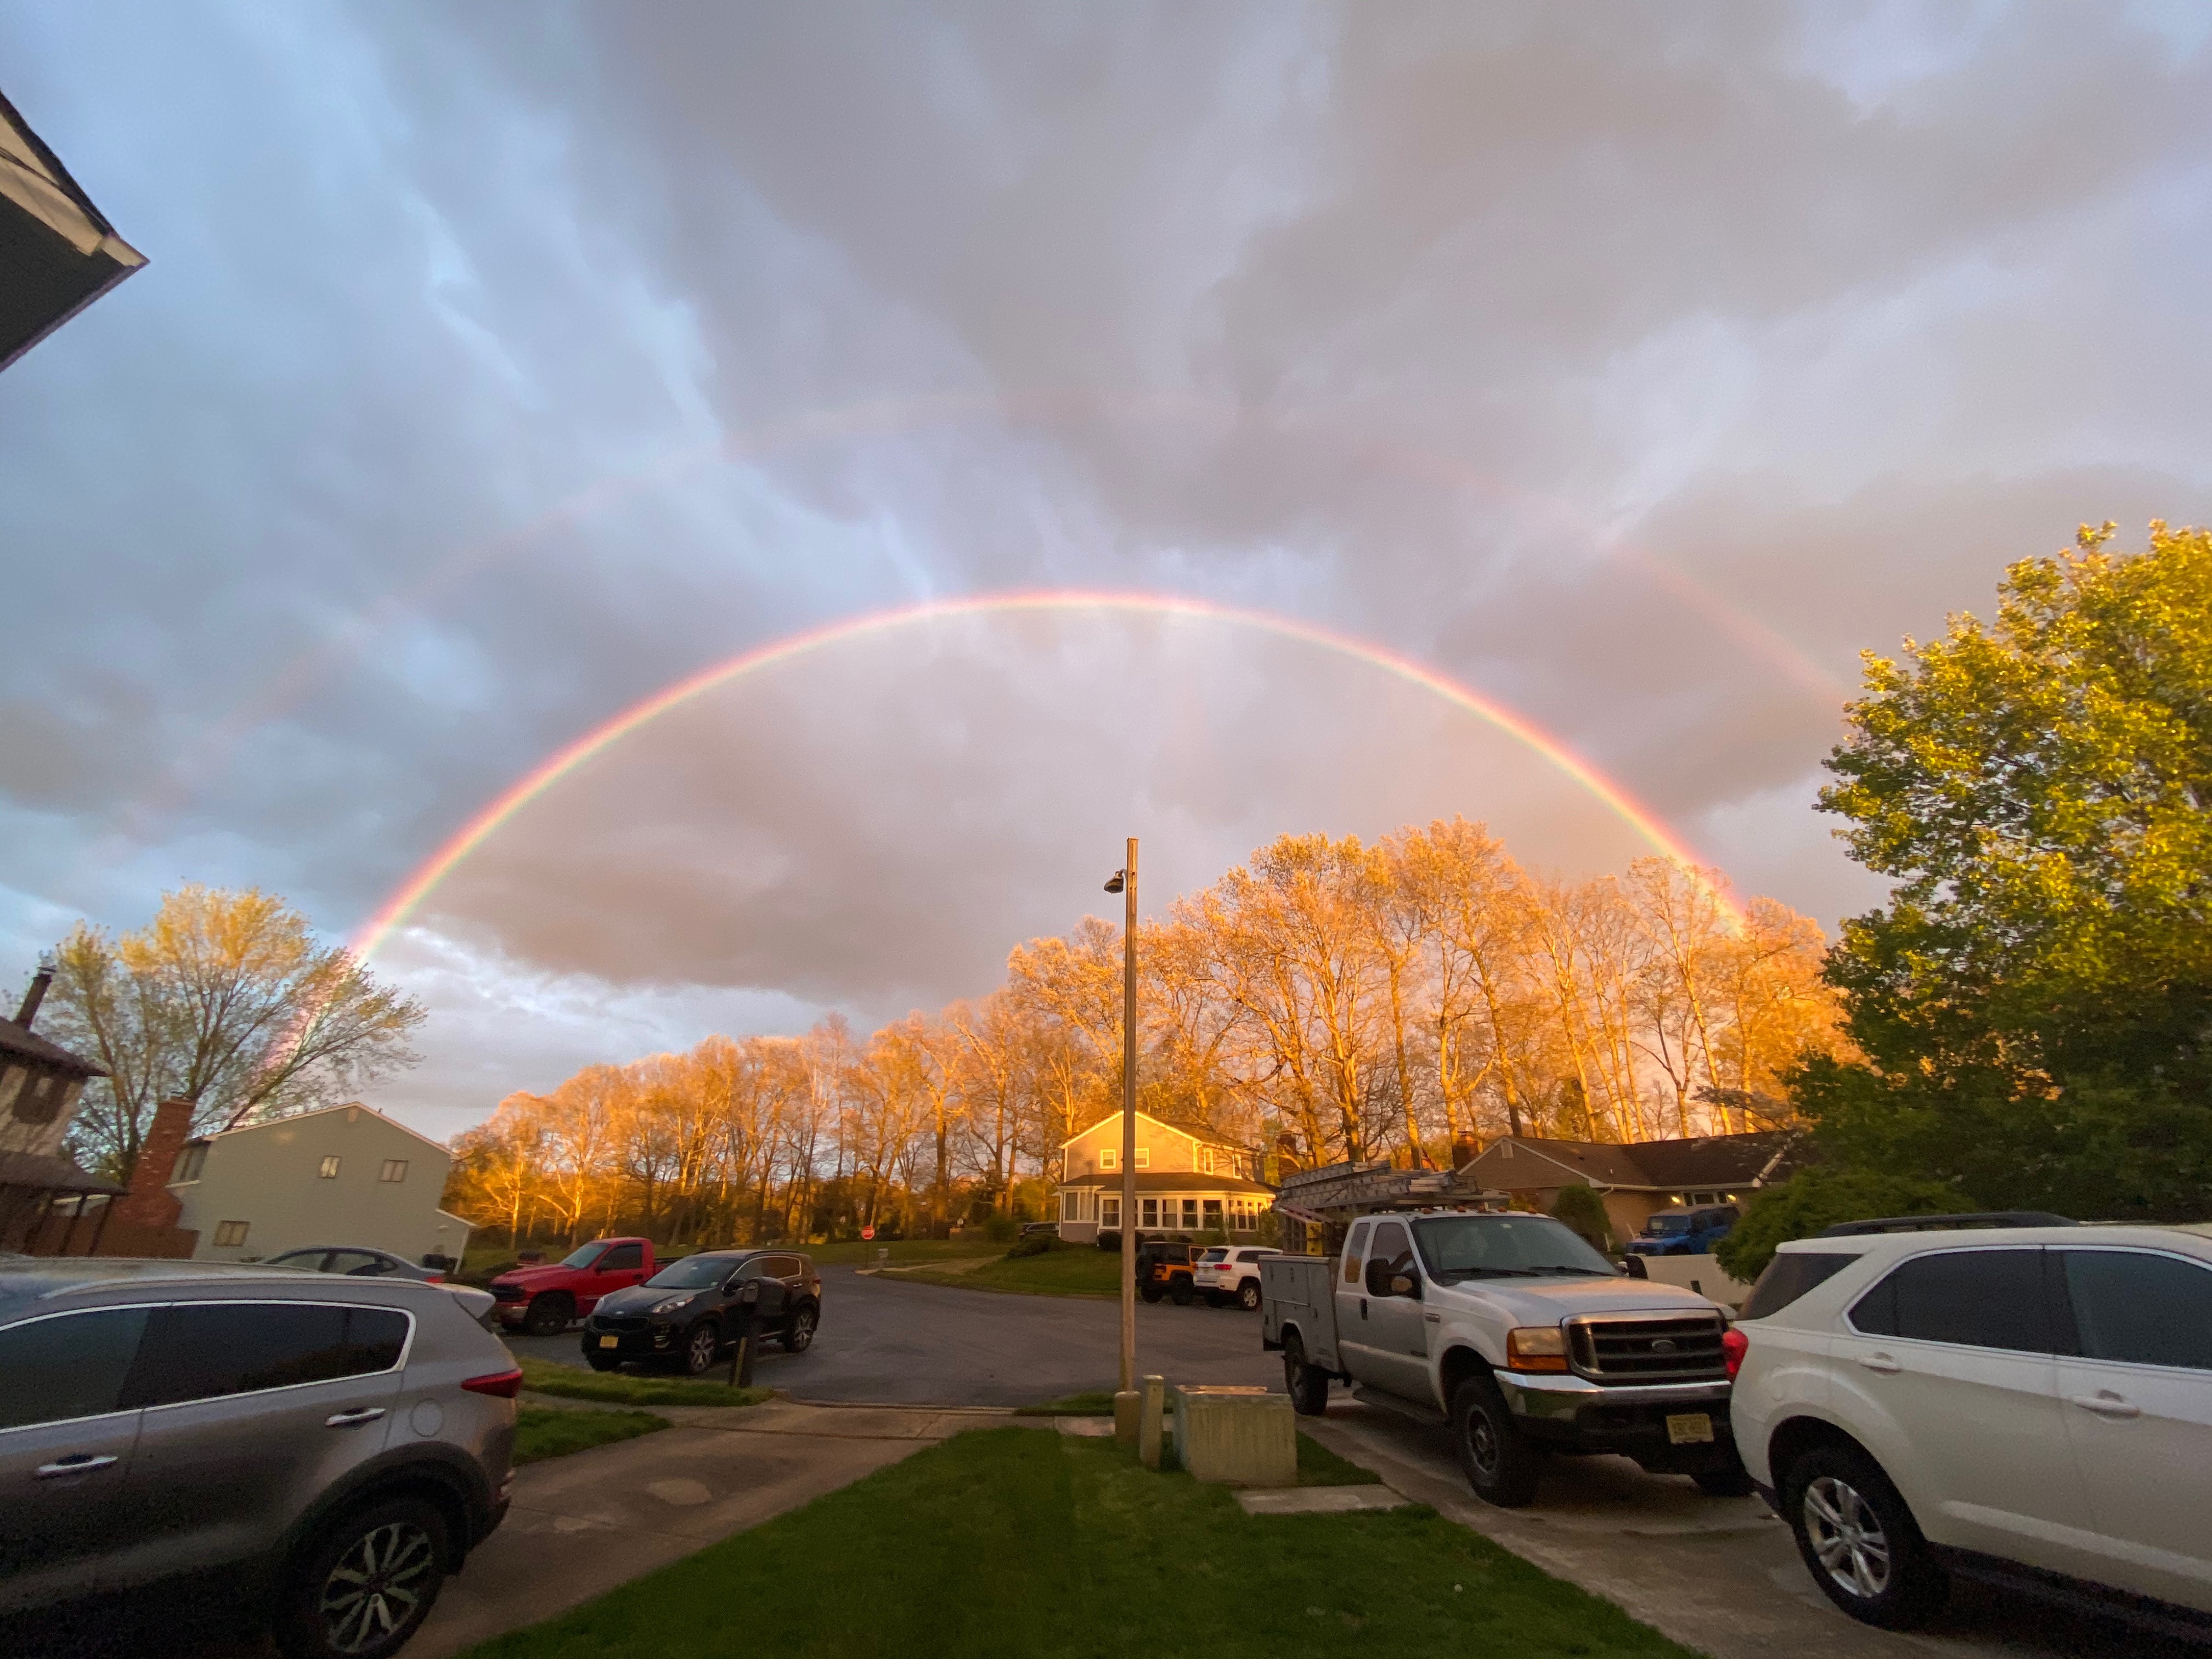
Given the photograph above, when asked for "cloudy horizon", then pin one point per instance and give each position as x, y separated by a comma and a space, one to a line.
1635, 368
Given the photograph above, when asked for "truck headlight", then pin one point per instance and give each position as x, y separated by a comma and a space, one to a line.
1536, 1348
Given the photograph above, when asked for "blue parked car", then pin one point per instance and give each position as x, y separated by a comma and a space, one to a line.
1684, 1232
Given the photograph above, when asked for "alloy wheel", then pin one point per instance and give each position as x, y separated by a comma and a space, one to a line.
1847, 1536
802, 1329
702, 1349
377, 1586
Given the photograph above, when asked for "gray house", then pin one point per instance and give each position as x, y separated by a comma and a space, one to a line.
344, 1175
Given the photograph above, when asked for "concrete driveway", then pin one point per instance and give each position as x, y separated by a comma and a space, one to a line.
1719, 1575
892, 1341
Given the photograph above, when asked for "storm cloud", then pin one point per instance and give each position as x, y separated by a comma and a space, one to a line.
1635, 366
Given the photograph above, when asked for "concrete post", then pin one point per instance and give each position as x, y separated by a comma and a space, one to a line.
1150, 1411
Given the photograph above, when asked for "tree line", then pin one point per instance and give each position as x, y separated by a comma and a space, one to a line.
1329, 1000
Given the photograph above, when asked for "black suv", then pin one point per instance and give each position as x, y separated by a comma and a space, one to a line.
692, 1309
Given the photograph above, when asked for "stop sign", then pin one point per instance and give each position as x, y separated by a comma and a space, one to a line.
867, 1232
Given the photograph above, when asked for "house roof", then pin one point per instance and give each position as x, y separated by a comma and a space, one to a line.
1646, 1165
52, 1174
320, 1111
1205, 1137
17, 1040
1172, 1181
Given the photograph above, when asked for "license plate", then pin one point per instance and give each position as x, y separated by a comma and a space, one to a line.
615, 1342
1690, 1429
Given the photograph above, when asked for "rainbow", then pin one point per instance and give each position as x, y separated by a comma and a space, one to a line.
405, 899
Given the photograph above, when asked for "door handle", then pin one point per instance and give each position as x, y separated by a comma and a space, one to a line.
1363, 1307
2105, 1403
1880, 1362
78, 1464
353, 1418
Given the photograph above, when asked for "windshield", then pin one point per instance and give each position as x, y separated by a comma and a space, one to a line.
1454, 1248
694, 1273
584, 1255
1661, 1226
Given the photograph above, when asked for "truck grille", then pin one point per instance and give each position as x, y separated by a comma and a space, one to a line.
1639, 1348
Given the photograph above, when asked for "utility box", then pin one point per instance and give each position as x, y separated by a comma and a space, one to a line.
1236, 1437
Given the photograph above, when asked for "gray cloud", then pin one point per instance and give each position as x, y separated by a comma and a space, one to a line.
1637, 365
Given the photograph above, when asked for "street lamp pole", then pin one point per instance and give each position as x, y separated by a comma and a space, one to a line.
1124, 883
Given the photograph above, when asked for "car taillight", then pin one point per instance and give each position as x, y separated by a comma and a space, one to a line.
502, 1385
435, 1278
1734, 1345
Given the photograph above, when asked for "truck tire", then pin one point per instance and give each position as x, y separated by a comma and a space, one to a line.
1307, 1385
1859, 1540
1181, 1290
1502, 1465
549, 1314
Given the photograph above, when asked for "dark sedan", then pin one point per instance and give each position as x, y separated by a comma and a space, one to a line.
690, 1312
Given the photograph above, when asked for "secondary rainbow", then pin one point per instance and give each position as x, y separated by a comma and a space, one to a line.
394, 911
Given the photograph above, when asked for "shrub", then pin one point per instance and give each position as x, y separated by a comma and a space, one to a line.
1109, 1241
1814, 1199
1035, 1244
1001, 1229
1582, 1209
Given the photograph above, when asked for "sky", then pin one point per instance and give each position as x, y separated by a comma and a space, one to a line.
1634, 366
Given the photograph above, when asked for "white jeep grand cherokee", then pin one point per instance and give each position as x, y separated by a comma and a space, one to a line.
2030, 1406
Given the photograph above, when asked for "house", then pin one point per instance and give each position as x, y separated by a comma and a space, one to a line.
58, 253
344, 1175
1187, 1181
39, 1183
1641, 1178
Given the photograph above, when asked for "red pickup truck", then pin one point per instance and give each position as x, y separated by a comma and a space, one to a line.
545, 1300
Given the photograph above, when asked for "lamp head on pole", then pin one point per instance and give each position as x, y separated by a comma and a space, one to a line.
1114, 883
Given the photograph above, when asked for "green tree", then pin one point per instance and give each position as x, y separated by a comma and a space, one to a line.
1582, 1210
1814, 1199
224, 999
2034, 1008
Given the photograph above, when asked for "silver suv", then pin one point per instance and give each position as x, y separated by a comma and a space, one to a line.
322, 1451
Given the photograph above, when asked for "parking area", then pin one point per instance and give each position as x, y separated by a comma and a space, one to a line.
900, 1343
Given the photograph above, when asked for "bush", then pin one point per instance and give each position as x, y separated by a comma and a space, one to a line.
1035, 1244
1001, 1229
1582, 1209
1814, 1199
1109, 1241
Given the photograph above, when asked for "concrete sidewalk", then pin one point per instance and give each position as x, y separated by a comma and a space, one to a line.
1718, 1574
585, 1523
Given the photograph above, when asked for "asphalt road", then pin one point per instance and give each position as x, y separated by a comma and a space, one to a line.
893, 1342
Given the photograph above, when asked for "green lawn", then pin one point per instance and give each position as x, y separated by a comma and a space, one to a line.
1099, 1402
1012, 1542
859, 1255
1057, 1272
543, 1431
627, 1388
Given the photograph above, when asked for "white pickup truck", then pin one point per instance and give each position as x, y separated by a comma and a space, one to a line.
1518, 1335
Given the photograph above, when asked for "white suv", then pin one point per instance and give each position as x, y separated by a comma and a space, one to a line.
1229, 1273
2030, 1406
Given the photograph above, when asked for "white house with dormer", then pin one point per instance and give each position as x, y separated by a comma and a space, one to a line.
1189, 1182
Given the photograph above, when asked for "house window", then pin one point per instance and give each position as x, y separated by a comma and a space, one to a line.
1190, 1215
1109, 1212
230, 1232
1144, 1158
1069, 1206
395, 1169
1148, 1213
1205, 1160
189, 1162
328, 1172
1109, 1158
1212, 1214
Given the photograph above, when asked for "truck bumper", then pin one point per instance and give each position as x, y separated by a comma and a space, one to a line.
1572, 1414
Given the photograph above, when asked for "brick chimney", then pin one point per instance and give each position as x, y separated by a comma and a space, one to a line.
149, 1203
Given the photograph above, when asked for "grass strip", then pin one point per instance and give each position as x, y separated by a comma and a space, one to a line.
623, 1389
1058, 1273
1099, 1402
1008, 1542
543, 1431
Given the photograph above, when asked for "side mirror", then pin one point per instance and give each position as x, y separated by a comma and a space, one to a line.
1634, 1268
1402, 1286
